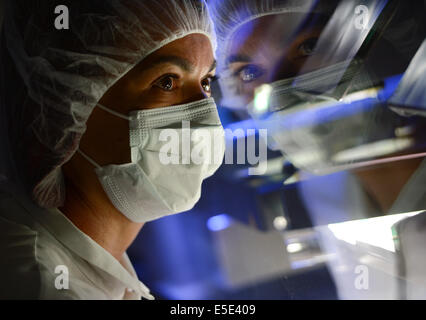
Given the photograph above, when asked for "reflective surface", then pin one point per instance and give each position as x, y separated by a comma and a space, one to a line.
335, 208
338, 212
318, 77
367, 259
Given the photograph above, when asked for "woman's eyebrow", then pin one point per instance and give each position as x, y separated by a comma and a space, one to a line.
177, 61
238, 58
182, 63
213, 66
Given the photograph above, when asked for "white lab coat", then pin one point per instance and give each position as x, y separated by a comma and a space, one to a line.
45, 256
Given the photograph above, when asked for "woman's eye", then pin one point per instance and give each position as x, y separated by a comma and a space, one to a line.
206, 84
249, 73
166, 83
307, 48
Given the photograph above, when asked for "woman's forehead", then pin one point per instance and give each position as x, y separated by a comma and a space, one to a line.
194, 50
269, 33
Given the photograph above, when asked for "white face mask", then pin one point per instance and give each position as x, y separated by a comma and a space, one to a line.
170, 160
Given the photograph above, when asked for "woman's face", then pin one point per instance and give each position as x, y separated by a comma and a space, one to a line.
177, 73
268, 49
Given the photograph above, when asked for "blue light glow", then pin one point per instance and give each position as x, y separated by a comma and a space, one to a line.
219, 222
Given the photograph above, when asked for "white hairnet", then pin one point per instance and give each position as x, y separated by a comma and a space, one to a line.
52, 79
229, 15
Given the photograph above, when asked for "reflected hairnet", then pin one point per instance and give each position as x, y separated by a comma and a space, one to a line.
52, 79
229, 15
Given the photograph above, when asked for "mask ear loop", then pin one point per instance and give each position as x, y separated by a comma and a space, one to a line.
113, 112
85, 156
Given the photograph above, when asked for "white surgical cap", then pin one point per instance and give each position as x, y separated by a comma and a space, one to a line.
229, 15
52, 79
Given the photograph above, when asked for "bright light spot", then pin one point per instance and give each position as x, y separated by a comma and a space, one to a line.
404, 131
280, 223
375, 231
307, 158
294, 247
360, 95
219, 222
374, 149
261, 98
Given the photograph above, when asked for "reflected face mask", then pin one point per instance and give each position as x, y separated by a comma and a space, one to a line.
321, 132
173, 149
